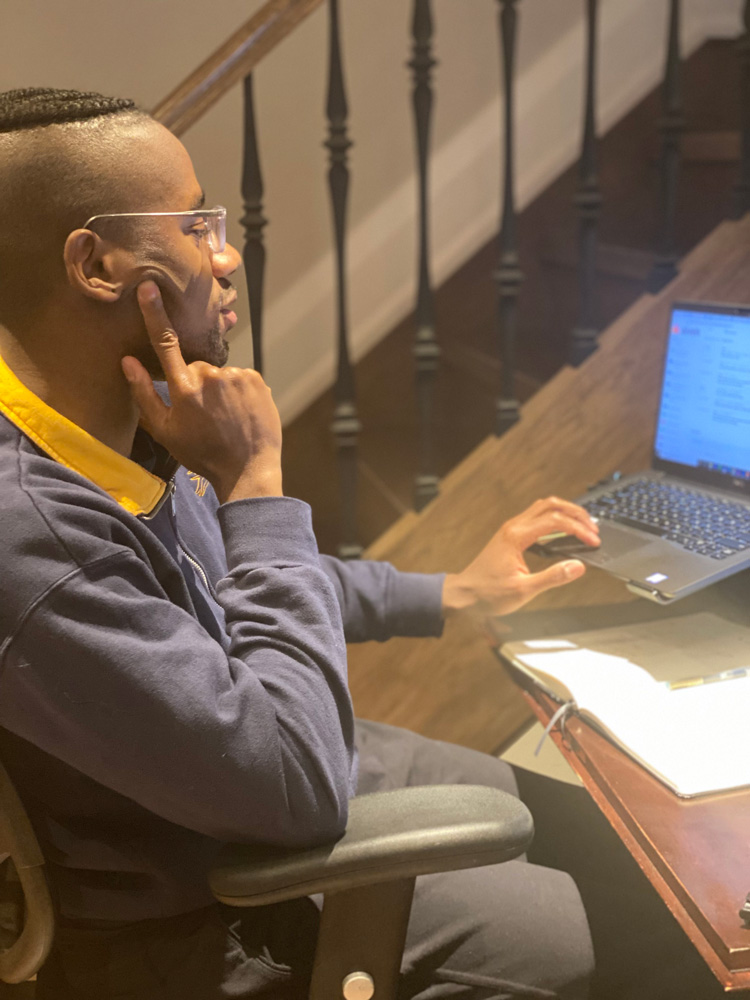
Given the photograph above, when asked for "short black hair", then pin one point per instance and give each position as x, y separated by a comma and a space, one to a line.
35, 107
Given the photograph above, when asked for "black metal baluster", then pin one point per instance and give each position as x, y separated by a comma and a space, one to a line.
426, 348
672, 127
508, 275
345, 425
589, 202
254, 251
742, 188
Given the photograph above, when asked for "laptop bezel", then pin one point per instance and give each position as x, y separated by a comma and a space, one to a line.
704, 477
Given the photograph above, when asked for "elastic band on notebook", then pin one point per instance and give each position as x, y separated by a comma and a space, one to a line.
559, 716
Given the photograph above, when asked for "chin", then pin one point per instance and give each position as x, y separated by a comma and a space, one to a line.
214, 351
222, 355
218, 348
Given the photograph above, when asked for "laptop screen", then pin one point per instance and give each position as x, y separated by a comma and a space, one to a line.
703, 426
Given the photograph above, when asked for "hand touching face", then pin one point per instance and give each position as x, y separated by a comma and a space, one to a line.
194, 283
222, 422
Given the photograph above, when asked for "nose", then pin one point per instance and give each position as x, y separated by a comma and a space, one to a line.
226, 262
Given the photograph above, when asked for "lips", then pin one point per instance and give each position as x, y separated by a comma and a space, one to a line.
229, 315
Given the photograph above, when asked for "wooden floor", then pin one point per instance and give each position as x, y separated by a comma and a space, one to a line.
576, 426
466, 304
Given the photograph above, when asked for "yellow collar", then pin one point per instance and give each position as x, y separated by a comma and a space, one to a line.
132, 486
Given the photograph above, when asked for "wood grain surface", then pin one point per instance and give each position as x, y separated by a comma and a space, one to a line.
695, 852
583, 425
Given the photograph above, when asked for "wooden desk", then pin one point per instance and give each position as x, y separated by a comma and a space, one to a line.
695, 852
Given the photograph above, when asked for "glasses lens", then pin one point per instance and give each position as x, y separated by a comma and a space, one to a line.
217, 229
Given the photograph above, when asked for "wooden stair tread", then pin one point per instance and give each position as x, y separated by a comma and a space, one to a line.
627, 263
719, 146
485, 368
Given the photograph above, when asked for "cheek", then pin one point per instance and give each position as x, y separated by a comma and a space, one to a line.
187, 286
199, 290
180, 267
172, 280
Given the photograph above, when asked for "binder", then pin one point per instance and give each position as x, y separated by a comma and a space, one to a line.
672, 694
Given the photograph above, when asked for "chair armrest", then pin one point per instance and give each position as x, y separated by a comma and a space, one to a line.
390, 836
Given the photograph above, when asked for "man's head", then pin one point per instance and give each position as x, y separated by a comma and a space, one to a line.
67, 156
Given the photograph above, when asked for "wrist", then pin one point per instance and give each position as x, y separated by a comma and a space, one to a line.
457, 596
258, 483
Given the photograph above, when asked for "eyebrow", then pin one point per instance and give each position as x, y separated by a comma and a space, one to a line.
199, 202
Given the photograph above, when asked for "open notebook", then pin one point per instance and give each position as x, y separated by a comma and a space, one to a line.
692, 734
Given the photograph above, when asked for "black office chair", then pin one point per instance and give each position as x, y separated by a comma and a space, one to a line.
367, 877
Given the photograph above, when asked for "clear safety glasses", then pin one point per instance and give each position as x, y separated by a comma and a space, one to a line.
213, 219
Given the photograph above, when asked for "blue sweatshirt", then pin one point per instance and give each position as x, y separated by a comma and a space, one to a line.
172, 671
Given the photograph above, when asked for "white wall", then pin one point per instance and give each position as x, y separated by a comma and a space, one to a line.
143, 48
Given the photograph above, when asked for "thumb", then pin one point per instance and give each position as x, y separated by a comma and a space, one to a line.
555, 576
153, 409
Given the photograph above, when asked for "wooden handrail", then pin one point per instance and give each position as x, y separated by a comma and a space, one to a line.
231, 62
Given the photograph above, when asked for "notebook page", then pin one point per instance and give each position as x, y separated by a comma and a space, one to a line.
620, 695
596, 681
693, 737
710, 724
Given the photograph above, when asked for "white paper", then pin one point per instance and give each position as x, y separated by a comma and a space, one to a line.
551, 644
694, 737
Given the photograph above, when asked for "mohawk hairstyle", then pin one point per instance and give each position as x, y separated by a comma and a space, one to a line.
34, 107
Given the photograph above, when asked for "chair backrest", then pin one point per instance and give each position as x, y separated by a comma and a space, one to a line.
18, 843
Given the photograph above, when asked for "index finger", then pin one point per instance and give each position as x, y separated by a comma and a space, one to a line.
568, 508
556, 522
160, 331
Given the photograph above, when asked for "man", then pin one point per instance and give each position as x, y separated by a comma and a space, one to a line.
173, 666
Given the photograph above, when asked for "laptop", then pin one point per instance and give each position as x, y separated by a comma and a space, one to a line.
684, 523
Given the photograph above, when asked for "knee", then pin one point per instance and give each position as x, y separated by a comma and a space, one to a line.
514, 930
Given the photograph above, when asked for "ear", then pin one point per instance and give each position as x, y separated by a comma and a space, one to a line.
94, 268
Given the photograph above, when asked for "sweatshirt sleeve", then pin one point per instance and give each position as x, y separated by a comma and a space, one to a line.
379, 602
253, 743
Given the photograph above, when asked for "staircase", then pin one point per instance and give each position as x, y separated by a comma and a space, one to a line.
466, 305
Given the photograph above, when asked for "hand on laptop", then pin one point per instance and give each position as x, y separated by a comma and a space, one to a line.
498, 581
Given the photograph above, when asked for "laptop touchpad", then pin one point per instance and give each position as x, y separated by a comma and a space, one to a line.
616, 542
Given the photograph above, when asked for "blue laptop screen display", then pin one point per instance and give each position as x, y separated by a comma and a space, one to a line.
704, 417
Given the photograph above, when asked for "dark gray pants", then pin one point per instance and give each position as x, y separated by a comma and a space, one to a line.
511, 930
511, 935
506, 931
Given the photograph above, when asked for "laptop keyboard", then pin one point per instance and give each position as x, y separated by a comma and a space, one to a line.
698, 523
